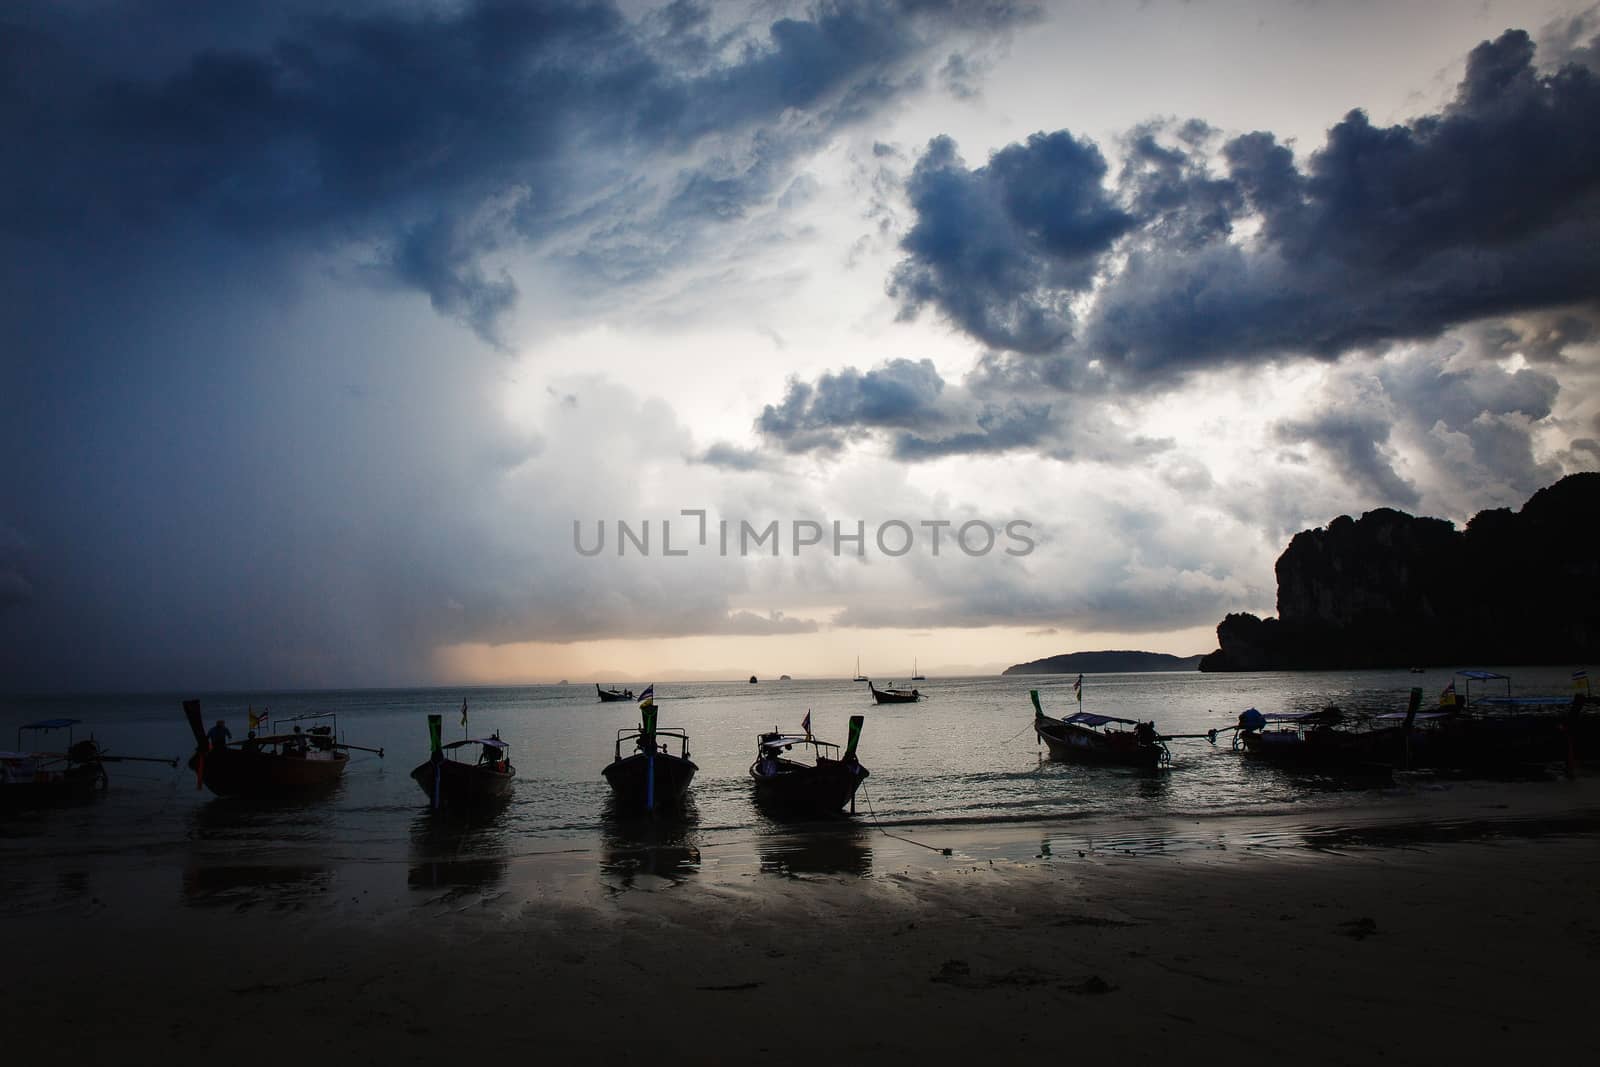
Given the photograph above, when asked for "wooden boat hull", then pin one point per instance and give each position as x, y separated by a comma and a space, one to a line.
1326, 748
797, 789
464, 785
630, 780
231, 772
892, 697
23, 785
1466, 744
611, 696
1072, 743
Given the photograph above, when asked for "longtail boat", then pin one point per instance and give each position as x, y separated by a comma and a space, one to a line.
452, 782
608, 696
1493, 732
1085, 737
822, 787
1325, 738
275, 764
33, 778
892, 695
650, 776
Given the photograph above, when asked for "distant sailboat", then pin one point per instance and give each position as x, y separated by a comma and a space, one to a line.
859, 676
916, 675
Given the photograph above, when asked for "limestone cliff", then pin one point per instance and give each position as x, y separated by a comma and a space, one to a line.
1393, 590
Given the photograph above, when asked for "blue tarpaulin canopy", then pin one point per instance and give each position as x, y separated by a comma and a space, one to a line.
51, 724
1483, 676
1087, 718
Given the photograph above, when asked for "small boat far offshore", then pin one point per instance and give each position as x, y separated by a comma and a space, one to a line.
892, 695
820, 788
454, 783
859, 676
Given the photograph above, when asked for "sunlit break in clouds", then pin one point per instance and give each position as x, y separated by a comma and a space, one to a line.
324, 331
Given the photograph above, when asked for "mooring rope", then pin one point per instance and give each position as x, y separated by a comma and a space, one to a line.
897, 837
1019, 733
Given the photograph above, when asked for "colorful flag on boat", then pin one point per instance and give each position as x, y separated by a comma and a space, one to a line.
1580, 679
805, 724
1448, 695
648, 697
257, 718
1077, 689
463, 711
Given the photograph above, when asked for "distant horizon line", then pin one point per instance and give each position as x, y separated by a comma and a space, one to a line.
470, 686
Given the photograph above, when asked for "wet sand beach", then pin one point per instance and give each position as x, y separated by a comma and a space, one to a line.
1445, 923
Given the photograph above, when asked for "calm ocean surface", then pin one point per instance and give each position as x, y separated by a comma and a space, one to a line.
964, 755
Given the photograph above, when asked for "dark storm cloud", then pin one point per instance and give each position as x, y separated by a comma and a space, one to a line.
999, 429
923, 418
1209, 253
823, 416
733, 458
1485, 406
1573, 40
1002, 249
243, 454
1545, 337
1491, 206
398, 129
1355, 444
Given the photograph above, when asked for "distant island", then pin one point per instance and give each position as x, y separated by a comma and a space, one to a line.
1393, 590
1110, 662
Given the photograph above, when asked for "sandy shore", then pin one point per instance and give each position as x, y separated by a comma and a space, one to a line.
1462, 928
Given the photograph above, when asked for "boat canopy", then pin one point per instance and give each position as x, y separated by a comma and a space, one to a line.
1483, 676
1299, 716
777, 741
1089, 718
1525, 702
1422, 716
51, 724
491, 742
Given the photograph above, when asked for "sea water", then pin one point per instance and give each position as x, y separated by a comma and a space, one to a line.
964, 755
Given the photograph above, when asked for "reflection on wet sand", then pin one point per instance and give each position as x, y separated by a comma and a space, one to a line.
225, 820
1424, 833
458, 850
826, 848
281, 886
246, 853
664, 845
1132, 841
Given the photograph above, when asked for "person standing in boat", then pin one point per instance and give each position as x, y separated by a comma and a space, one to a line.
219, 735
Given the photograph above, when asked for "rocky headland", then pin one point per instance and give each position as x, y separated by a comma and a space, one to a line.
1393, 590
1109, 662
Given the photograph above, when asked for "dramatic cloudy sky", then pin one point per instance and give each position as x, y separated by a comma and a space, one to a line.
321, 331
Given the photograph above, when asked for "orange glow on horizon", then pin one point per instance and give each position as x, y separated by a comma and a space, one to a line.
885, 654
